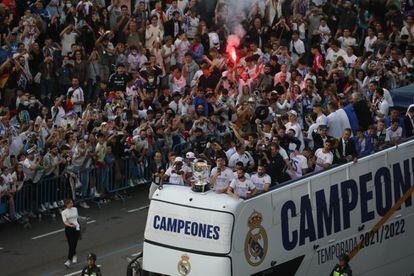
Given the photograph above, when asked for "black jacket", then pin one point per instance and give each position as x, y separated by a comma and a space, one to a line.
349, 150
318, 141
169, 28
409, 130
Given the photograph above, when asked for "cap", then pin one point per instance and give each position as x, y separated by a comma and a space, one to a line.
190, 155
323, 126
293, 112
91, 256
178, 159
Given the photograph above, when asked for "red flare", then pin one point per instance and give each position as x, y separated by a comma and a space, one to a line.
233, 54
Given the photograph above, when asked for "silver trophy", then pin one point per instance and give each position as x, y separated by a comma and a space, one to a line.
201, 172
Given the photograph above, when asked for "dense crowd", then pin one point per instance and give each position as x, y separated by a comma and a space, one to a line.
87, 83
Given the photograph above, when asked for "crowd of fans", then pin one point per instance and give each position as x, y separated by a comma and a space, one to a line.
86, 83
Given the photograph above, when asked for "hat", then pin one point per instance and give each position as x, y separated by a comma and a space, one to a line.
70, 113
104, 123
293, 112
274, 92
190, 155
343, 257
91, 256
178, 159
323, 127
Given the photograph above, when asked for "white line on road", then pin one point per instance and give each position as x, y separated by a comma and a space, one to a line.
1, 248
138, 209
57, 231
77, 272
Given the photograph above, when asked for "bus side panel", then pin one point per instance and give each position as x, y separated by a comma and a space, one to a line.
328, 214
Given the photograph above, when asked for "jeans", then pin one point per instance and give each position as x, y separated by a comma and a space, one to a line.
72, 237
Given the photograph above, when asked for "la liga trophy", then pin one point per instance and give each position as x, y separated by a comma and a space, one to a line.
201, 172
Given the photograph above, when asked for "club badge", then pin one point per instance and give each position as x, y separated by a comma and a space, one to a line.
255, 244
184, 266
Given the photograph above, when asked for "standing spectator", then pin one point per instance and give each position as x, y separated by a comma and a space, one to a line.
72, 231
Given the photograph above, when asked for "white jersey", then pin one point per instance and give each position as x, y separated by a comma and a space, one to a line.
175, 178
260, 181
299, 163
322, 157
241, 188
223, 179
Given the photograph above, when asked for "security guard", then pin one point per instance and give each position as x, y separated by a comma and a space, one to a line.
91, 269
343, 268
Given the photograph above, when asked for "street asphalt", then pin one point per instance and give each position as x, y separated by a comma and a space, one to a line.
114, 233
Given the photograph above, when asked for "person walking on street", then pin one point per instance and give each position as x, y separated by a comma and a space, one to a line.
72, 231
91, 269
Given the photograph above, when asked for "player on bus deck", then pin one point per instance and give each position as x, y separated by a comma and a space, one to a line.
241, 187
324, 157
261, 179
175, 174
221, 176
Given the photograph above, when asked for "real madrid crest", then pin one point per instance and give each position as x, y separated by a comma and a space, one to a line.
184, 266
255, 244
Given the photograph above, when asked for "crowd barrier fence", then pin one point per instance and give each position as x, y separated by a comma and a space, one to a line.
81, 184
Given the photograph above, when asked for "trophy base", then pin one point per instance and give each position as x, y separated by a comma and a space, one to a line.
200, 188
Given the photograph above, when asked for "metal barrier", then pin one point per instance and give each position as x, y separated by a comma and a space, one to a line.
80, 185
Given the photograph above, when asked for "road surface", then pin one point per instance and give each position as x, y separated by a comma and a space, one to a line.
114, 232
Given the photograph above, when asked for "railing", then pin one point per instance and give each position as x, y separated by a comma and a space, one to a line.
89, 184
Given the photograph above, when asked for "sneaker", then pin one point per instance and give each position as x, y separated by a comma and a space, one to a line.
55, 205
84, 205
75, 259
17, 216
67, 263
61, 203
97, 194
48, 206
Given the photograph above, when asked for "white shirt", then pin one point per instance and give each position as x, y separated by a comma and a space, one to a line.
28, 173
334, 125
312, 128
245, 158
322, 157
332, 55
393, 135
298, 133
347, 41
77, 96
223, 179
299, 47
350, 60
322, 120
241, 188
369, 43
174, 177
299, 163
71, 216
260, 181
